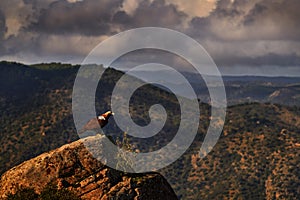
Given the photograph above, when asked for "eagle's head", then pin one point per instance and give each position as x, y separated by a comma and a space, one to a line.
108, 114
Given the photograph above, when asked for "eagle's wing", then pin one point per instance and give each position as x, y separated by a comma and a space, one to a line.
94, 123
90, 125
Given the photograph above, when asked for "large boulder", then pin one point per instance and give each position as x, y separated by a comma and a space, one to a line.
73, 167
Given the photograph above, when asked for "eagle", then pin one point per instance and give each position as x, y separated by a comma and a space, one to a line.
94, 123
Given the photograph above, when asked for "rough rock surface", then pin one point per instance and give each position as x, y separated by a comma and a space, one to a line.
73, 167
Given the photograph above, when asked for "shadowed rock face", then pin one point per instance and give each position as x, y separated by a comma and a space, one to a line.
73, 167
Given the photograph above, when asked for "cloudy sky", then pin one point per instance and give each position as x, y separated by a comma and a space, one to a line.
243, 37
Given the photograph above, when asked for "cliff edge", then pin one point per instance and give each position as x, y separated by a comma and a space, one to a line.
74, 168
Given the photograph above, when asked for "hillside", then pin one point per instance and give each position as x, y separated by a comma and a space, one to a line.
256, 157
35, 112
72, 167
40, 119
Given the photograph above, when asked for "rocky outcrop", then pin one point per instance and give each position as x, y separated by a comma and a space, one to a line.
73, 167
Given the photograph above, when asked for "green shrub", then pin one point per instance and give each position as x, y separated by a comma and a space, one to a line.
24, 193
50, 192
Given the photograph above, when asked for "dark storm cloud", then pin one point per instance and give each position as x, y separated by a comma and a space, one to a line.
93, 17
59, 27
121, 17
3, 28
154, 13
257, 10
240, 32
157, 13
89, 17
2, 31
282, 17
251, 33
251, 20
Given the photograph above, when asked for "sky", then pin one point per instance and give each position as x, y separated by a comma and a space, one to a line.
257, 37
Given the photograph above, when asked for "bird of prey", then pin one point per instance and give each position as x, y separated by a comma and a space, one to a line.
94, 123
